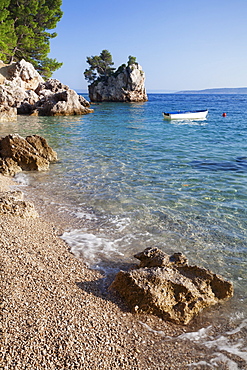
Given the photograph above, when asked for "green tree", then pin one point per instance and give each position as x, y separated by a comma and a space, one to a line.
132, 60
30, 21
100, 66
7, 35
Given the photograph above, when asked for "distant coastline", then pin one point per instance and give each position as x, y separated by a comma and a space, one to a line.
237, 90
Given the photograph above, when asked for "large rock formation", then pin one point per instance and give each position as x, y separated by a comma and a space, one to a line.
32, 153
23, 91
125, 85
52, 98
169, 288
23, 75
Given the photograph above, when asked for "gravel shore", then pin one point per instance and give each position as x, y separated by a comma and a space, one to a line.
55, 314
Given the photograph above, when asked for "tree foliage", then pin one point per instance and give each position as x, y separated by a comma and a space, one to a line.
7, 36
24, 32
100, 66
132, 60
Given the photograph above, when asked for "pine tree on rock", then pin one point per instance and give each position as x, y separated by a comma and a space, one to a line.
100, 66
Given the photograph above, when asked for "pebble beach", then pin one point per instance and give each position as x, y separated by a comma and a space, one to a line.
57, 315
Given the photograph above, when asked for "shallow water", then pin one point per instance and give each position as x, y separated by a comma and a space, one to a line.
133, 180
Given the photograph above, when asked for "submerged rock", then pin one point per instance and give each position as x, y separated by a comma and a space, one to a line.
18, 153
154, 257
170, 288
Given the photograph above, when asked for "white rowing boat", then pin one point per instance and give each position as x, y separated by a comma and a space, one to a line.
183, 115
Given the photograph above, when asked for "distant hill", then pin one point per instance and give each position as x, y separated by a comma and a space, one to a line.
238, 90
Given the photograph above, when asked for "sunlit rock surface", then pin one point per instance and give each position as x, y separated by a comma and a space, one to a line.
23, 91
170, 288
125, 85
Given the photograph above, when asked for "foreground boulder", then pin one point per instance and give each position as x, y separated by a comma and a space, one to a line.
30, 154
169, 288
127, 84
23, 91
12, 203
42, 148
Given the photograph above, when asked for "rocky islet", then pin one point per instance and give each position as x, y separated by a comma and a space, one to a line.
127, 84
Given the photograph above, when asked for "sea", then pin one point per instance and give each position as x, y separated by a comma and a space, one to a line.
128, 179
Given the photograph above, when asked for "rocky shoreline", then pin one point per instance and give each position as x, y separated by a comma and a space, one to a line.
23, 91
55, 314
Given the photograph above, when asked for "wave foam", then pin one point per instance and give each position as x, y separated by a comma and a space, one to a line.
223, 344
89, 246
21, 179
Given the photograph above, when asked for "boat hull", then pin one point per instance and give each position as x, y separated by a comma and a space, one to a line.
186, 115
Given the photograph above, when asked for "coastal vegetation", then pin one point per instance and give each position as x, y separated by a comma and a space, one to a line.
106, 83
101, 66
25, 32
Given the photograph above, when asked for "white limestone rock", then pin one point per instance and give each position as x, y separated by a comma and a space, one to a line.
24, 75
127, 84
24, 91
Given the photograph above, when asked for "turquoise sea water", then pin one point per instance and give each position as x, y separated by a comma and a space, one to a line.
132, 180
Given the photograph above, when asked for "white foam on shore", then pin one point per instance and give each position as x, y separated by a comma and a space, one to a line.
215, 362
85, 216
200, 363
158, 332
120, 223
21, 179
89, 246
208, 338
114, 222
196, 336
222, 342
238, 329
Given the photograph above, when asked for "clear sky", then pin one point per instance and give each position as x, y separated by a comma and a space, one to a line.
180, 44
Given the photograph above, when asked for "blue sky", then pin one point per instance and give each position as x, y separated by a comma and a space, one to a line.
181, 44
